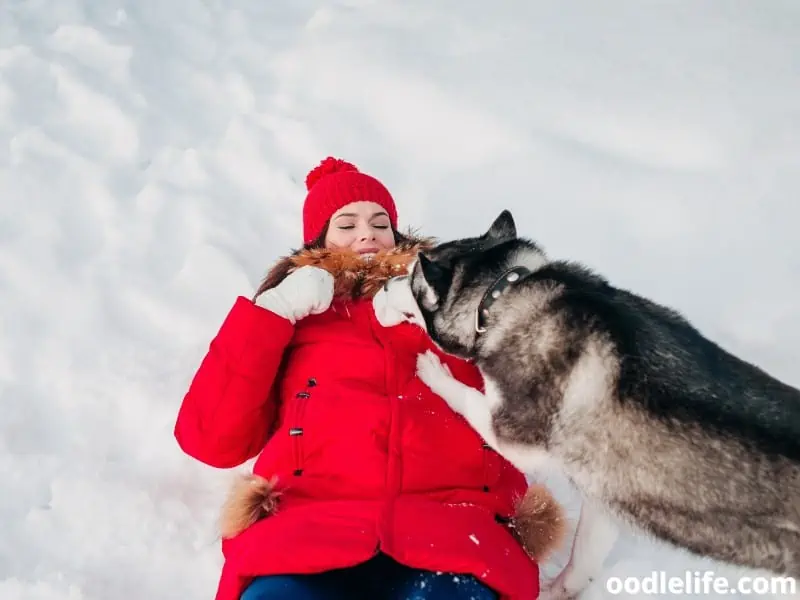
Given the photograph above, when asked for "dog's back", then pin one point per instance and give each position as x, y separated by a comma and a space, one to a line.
719, 435
691, 379
674, 370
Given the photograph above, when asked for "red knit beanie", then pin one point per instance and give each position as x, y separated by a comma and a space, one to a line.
335, 183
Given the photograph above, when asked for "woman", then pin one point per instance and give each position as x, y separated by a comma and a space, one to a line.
366, 483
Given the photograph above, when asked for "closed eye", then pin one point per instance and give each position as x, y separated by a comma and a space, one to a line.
345, 227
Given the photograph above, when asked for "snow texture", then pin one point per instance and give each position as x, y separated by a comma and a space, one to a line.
152, 158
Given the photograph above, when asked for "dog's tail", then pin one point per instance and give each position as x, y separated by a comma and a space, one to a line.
250, 499
539, 522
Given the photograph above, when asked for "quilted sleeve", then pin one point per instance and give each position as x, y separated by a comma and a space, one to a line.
230, 406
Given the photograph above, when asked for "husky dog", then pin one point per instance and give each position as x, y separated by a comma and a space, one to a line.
656, 425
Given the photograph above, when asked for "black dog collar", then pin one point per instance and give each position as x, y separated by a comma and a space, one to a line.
500, 285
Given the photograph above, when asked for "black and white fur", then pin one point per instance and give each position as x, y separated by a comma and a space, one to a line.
655, 425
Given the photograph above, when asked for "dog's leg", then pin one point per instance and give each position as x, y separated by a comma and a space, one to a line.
463, 399
595, 536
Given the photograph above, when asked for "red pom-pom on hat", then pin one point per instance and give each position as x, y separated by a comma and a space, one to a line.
327, 167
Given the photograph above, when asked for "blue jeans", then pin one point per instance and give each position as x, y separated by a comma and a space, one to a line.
380, 578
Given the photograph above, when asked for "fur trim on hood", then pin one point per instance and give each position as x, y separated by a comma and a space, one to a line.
354, 277
539, 522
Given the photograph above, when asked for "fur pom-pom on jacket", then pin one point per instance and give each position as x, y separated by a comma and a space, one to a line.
539, 522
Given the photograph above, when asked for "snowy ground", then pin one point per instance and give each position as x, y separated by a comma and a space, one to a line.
151, 167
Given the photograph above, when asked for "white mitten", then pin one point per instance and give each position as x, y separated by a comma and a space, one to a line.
306, 291
395, 303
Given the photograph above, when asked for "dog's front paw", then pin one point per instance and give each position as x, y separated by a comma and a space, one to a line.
438, 377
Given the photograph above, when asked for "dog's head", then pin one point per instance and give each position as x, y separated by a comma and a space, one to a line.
447, 284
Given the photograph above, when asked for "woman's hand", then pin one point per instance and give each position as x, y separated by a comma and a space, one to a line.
306, 291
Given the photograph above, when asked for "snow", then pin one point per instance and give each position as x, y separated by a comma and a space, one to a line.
151, 167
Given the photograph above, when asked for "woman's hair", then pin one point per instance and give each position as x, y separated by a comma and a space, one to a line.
281, 270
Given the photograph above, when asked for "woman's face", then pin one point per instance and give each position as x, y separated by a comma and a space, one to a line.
363, 227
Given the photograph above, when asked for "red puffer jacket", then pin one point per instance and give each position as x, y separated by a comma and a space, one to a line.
364, 456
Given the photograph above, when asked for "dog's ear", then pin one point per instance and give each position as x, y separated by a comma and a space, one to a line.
437, 277
503, 227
